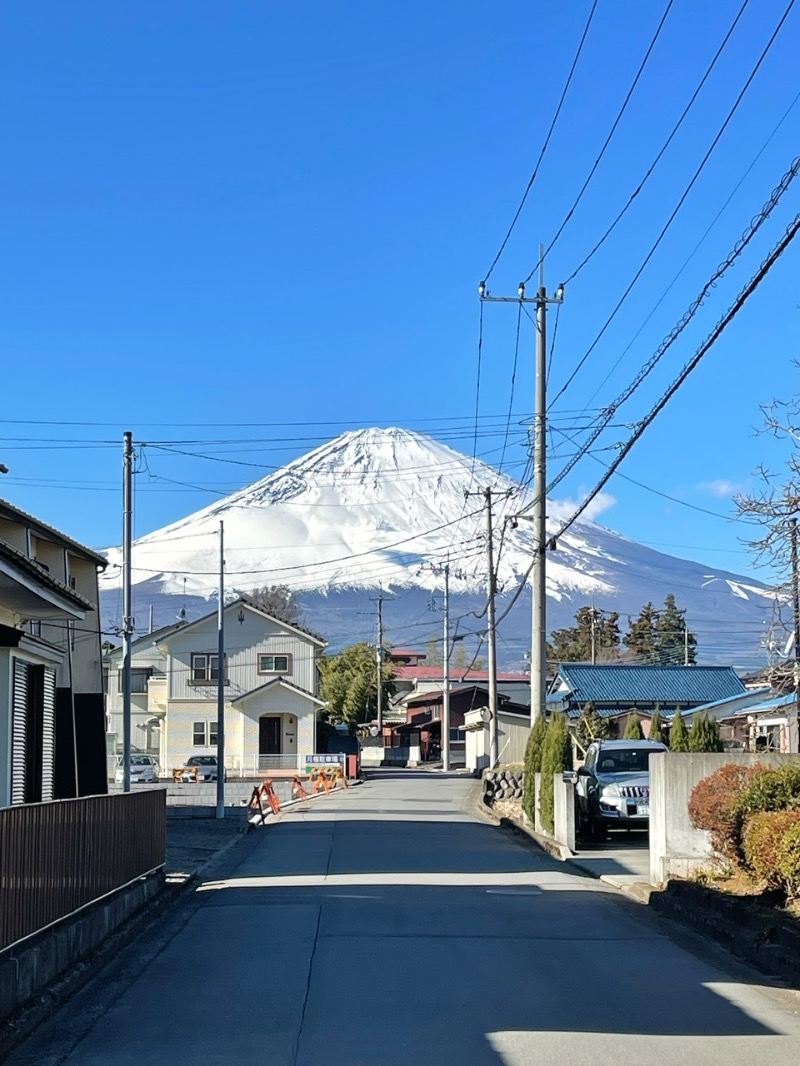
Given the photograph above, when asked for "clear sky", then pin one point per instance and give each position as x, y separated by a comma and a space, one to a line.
265, 222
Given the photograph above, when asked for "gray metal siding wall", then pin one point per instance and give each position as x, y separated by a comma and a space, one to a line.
513, 738
19, 712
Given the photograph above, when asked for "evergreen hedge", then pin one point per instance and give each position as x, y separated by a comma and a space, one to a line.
633, 728
678, 735
556, 757
533, 765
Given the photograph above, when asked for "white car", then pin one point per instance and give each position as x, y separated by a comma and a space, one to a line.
144, 770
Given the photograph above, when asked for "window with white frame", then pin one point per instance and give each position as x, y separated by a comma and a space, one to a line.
274, 664
199, 734
139, 678
212, 734
204, 667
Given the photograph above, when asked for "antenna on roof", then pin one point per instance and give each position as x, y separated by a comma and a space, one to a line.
182, 612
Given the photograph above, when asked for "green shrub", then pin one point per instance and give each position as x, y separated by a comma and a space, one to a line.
713, 807
678, 736
591, 726
533, 764
771, 789
633, 728
556, 757
789, 861
771, 844
704, 734
657, 726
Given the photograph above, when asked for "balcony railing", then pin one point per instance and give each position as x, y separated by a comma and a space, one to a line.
275, 762
56, 858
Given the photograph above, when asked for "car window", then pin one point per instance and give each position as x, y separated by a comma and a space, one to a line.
624, 761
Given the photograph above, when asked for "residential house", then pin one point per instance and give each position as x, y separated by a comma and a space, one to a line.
52, 724
758, 720
271, 680
423, 726
148, 689
617, 690
412, 677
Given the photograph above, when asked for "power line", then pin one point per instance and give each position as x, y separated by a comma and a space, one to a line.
694, 307
718, 330
663, 148
679, 205
611, 133
533, 176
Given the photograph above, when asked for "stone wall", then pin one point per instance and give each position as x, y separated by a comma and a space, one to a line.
502, 785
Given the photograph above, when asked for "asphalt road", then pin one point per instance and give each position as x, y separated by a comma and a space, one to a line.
390, 926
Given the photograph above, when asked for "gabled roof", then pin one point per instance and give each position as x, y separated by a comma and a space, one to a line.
279, 682
44, 577
422, 672
605, 683
16, 514
243, 601
148, 638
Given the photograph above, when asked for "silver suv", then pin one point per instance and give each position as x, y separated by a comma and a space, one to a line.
613, 786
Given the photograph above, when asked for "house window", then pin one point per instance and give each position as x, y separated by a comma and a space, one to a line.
212, 734
274, 664
139, 678
199, 734
205, 667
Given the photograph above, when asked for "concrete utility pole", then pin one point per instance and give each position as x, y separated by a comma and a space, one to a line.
539, 506
491, 643
127, 612
446, 671
221, 678
379, 659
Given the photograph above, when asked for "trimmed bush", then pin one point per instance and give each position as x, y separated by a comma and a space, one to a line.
556, 756
533, 764
713, 806
633, 728
678, 736
704, 734
771, 789
771, 844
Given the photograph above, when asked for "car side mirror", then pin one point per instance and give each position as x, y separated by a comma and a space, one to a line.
569, 777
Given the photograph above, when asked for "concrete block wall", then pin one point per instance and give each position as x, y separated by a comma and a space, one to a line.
677, 849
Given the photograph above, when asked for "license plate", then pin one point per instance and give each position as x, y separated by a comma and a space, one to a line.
643, 810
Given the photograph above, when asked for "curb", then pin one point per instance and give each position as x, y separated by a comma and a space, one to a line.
552, 847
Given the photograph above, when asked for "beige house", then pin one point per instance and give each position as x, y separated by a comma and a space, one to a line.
51, 694
271, 679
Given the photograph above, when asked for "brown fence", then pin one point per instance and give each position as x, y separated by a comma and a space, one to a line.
57, 857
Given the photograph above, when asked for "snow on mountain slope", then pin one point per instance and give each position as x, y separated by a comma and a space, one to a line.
369, 509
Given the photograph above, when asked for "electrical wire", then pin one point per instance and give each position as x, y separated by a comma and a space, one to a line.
608, 139
680, 203
533, 176
663, 148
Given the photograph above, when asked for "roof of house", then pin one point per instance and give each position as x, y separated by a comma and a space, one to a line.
279, 682
434, 673
632, 685
243, 601
9, 511
425, 698
152, 638
43, 576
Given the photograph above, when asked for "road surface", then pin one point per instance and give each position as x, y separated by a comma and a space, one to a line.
390, 926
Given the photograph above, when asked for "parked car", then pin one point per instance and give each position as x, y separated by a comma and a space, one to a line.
613, 786
144, 770
206, 766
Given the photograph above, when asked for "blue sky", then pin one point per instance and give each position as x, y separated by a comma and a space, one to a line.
266, 222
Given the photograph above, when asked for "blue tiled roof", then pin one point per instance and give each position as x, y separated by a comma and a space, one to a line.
632, 685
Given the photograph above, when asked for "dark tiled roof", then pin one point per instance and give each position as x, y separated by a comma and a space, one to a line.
631, 685
14, 514
44, 577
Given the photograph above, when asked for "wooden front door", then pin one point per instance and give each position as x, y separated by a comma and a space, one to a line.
269, 736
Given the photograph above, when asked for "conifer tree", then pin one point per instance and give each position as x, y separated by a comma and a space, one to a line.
556, 757
675, 643
642, 637
633, 728
678, 735
657, 726
704, 734
591, 726
533, 765
593, 629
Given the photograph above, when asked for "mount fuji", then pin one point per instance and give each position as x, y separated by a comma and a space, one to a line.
383, 510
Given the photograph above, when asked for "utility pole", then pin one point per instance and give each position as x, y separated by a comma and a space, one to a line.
221, 677
127, 612
539, 506
379, 659
594, 649
491, 643
446, 671
796, 619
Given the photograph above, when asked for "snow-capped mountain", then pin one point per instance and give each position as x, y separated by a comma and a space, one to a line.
384, 509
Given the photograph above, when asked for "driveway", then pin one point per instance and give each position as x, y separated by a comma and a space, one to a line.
391, 926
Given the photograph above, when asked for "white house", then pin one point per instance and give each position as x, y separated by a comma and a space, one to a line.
271, 680
52, 742
148, 686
